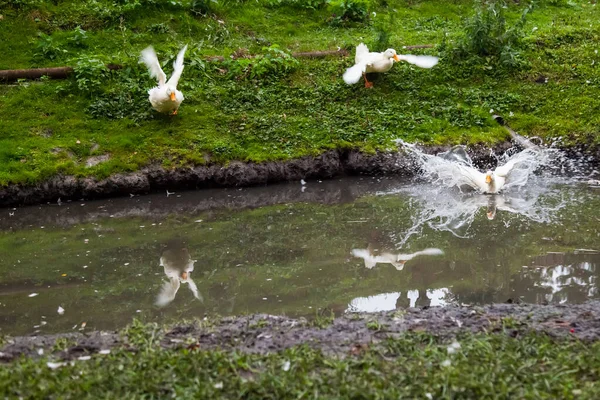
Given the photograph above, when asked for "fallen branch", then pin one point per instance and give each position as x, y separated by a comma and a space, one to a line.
306, 54
321, 54
419, 46
36, 73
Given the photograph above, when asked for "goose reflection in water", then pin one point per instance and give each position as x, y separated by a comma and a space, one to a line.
455, 212
397, 260
178, 267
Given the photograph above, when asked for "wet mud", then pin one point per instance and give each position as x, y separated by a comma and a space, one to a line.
343, 336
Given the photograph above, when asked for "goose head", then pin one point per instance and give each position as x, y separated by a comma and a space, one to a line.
171, 92
490, 178
391, 53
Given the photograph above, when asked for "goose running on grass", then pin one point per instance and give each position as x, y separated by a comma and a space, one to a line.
165, 98
366, 62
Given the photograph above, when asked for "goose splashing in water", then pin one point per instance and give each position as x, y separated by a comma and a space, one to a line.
454, 168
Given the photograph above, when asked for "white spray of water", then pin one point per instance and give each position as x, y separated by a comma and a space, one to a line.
454, 168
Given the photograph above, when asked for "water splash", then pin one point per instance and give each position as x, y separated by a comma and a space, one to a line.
454, 168
518, 166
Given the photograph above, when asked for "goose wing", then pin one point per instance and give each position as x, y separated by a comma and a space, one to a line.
194, 290
419, 61
361, 51
472, 177
149, 58
366, 256
354, 73
177, 68
167, 292
505, 169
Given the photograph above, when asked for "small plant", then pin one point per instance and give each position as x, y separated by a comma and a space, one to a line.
488, 37
202, 7
159, 28
346, 12
274, 63
324, 318
47, 47
302, 4
77, 37
144, 337
374, 325
90, 74
262, 323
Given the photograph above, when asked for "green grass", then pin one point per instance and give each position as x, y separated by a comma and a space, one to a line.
411, 366
51, 127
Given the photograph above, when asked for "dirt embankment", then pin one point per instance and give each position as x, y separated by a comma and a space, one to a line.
327, 165
264, 333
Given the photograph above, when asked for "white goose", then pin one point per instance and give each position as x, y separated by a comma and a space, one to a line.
397, 260
178, 267
366, 62
490, 182
165, 98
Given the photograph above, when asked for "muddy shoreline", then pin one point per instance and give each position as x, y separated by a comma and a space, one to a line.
328, 165
266, 333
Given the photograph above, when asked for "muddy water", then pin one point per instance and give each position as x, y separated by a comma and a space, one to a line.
346, 245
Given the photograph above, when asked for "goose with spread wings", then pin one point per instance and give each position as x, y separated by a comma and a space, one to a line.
397, 260
366, 62
490, 182
165, 98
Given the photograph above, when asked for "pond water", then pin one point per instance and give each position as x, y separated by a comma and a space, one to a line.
342, 245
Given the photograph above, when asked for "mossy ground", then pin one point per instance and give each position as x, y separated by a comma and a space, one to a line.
51, 127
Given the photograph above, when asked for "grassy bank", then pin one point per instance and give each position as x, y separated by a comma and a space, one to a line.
540, 73
413, 365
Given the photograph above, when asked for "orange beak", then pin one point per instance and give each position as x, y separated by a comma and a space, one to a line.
396, 57
172, 96
184, 275
488, 179
490, 215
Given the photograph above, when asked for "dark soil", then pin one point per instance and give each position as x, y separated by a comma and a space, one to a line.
345, 335
235, 174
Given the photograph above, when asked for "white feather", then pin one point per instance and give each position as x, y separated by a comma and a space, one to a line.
361, 51
194, 290
167, 292
354, 73
429, 252
177, 67
419, 61
161, 96
149, 58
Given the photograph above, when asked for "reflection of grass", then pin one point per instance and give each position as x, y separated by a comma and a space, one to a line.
486, 366
303, 113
